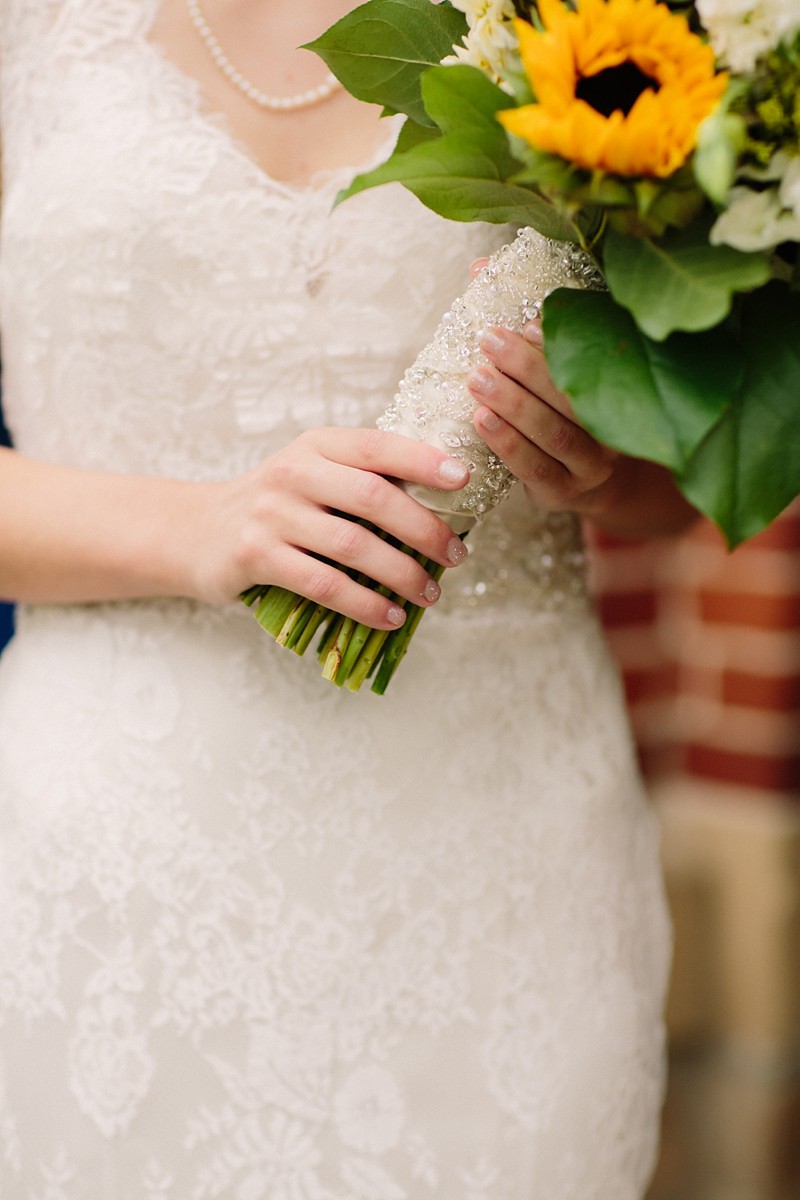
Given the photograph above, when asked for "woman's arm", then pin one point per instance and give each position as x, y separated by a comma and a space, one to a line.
69, 535
524, 418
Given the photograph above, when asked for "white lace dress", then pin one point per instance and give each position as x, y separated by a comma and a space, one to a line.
259, 939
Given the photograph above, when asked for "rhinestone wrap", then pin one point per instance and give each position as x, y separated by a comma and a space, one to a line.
433, 403
519, 552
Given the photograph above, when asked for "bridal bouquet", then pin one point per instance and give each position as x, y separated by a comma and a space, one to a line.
650, 151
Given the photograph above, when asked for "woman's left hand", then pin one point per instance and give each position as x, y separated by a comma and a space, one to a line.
529, 423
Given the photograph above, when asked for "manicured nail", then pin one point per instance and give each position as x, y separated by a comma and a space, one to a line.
396, 615
533, 333
456, 551
482, 381
431, 591
488, 420
450, 470
492, 341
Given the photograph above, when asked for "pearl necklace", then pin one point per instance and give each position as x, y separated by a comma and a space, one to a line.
274, 103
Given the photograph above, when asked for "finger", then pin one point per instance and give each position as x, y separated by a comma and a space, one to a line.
548, 477
540, 446
382, 503
522, 360
537, 421
332, 588
391, 455
351, 476
477, 266
362, 549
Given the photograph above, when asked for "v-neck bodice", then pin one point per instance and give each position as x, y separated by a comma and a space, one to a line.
213, 311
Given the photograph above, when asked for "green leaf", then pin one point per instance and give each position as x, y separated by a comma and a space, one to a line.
654, 400
381, 49
459, 178
748, 468
681, 282
462, 99
411, 134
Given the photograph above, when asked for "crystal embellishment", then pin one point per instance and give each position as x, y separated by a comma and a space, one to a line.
433, 403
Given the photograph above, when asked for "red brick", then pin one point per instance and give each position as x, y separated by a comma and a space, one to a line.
753, 770
628, 608
751, 609
781, 693
650, 684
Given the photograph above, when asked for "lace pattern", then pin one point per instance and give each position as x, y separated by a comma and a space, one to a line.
262, 939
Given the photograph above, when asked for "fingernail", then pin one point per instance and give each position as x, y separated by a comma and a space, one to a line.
492, 341
533, 333
431, 591
488, 419
396, 615
481, 380
450, 470
456, 551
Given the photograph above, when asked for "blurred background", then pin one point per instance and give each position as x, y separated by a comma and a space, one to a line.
709, 647
6, 612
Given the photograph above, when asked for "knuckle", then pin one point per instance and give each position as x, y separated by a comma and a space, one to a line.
373, 445
348, 540
369, 490
248, 554
540, 471
324, 585
562, 438
285, 475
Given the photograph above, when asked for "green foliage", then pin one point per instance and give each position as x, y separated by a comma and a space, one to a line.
456, 177
721, 139
770, 105
721, 408
747, 469
467, 173
654, 400
681, 282
380, 50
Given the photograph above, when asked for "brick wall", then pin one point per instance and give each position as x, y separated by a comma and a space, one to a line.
709, 646
709, 643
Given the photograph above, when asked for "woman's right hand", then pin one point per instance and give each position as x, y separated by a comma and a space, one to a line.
270, 525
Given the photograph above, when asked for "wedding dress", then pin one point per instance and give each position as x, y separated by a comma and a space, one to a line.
261, 939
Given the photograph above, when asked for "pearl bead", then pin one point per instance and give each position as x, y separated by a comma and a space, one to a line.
273, 103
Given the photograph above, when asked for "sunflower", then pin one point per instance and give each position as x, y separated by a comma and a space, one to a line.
621, 86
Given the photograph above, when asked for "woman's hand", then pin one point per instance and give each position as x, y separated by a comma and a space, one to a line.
530, 425
275, 524
528, 422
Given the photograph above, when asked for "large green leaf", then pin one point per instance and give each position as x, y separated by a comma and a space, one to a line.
459, 178
748, 468
461, 98
381, 49
654, 400
680, 282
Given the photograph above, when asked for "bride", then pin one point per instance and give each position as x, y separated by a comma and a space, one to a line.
262, 939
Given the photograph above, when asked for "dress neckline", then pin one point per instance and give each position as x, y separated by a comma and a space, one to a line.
320, 183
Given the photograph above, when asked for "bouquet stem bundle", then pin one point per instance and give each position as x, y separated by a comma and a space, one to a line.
350, 652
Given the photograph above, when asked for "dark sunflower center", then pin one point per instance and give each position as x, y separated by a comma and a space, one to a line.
615, 88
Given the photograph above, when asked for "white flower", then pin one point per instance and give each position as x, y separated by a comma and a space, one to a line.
760, 220
742, 30
491, 43
790, 186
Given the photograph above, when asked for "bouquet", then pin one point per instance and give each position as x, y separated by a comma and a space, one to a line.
651, 150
